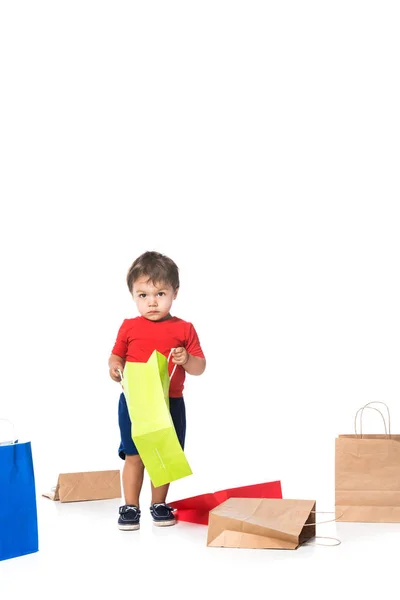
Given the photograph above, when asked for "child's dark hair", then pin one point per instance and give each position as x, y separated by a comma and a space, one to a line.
157, 267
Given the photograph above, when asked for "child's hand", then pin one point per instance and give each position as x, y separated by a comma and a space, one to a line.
114, 373
180, 356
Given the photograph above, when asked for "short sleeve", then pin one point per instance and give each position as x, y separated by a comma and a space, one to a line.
193, 343
121, 344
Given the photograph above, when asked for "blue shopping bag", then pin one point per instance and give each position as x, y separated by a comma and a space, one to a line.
18, 513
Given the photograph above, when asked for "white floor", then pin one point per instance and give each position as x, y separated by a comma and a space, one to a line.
82, 553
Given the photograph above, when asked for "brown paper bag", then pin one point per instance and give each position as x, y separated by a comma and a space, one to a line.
91, 485
367, 475
261, 523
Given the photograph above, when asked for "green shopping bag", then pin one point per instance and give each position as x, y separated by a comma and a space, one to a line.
146, 388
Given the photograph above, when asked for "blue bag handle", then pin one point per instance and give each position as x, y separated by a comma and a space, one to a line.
14, 440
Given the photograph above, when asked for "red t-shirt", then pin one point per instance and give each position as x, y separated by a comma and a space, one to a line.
138, 338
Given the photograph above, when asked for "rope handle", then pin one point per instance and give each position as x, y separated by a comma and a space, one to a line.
362, 411
14, 440
324, 537
174, 369
321, 512
368, 405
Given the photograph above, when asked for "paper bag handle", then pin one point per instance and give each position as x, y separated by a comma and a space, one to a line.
322, 537
368, 408
14, 440
368, 405
321, 512
169, 356
174, 369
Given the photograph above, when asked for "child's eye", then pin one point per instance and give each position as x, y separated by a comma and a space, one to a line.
142, 295
161, 294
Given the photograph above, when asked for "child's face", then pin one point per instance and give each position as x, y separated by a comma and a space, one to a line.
153, 301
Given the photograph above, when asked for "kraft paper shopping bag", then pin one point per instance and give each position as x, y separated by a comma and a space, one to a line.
89, 485
261, 523
367, 474
146, 387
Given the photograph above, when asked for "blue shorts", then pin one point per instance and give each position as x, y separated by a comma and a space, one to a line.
178, 414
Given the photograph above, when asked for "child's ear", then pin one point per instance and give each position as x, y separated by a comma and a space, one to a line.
176, 293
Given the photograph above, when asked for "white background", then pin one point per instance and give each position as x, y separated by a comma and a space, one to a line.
256, 144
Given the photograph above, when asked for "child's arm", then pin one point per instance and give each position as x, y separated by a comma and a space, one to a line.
194, 365
115, 363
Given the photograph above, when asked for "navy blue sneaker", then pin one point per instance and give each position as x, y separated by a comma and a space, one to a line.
162, 515
129, 517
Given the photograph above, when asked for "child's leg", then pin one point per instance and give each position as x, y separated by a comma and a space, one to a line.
159, 494
132, 478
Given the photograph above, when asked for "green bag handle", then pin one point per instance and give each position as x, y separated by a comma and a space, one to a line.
174, 369
169, 356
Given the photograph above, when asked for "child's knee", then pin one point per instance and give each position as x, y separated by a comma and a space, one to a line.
133, 459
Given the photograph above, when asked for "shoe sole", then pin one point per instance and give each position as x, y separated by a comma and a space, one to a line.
129, 527
164, 523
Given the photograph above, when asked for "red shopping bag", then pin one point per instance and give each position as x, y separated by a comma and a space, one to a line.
196, 508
